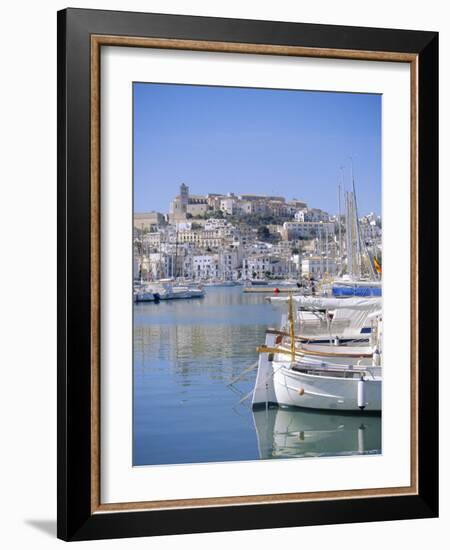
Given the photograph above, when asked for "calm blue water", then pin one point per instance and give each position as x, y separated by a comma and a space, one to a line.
185, 354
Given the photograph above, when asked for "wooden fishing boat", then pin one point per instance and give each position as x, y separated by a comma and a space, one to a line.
328, 376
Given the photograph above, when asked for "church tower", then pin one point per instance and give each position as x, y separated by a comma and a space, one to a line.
184, 196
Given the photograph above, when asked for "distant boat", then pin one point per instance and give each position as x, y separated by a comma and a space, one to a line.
149, 293
183, 292
166, 291
220, 283
287, 283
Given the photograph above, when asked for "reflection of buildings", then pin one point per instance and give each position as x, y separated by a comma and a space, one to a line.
284, 433
192, 344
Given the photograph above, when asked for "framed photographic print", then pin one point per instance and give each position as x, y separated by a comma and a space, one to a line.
247, 252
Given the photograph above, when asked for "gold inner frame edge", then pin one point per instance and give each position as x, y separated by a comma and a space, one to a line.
97, 41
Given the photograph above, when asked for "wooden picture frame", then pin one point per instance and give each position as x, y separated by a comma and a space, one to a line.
81, 35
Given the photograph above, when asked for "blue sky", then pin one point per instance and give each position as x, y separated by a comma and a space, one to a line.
244, 140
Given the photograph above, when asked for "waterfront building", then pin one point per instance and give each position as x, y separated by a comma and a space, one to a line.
259, 266
205, 266
229, 262
256, 266
318, 266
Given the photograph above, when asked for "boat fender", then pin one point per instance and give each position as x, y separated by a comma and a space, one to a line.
336, 341
376, 358
361, 393
276, 291
301, 391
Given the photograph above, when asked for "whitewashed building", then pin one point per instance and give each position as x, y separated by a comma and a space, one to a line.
205, 266
258, 266
306, 230
311, 215
317, 266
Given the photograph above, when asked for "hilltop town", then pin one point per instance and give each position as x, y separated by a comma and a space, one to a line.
234, 237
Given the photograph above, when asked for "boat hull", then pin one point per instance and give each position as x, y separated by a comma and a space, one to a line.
299, 389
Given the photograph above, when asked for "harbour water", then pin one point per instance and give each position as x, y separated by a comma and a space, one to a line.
186, 353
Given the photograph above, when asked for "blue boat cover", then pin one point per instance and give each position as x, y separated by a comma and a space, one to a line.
356, 291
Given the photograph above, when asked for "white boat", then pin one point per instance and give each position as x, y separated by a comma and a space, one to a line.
319, 377
220, 283
166, 291
149, 293
339, 320
183, 292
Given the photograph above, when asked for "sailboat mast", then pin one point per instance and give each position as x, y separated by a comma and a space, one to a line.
358, 233
291, 328
348, 234
358, 230
339, 219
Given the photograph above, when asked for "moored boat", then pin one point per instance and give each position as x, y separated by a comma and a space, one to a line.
220, 283
327, 376
165, 291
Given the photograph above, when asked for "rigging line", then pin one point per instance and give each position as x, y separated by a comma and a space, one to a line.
245, 371
264, 381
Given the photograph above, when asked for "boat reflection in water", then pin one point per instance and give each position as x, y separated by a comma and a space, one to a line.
293, 432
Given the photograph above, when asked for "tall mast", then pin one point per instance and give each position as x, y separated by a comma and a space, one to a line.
348, 234
358, 231
339, 218
291, 328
